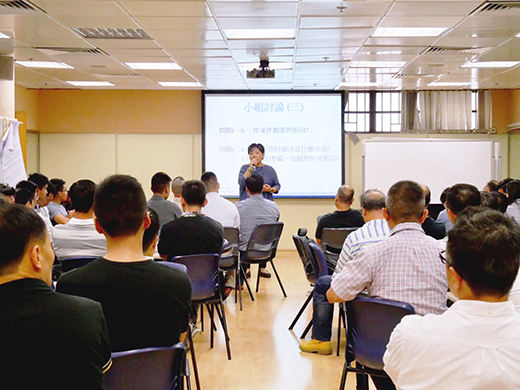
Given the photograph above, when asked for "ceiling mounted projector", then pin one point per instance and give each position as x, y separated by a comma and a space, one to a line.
263, 73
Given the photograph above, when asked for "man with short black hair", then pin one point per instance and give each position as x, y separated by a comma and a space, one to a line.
38, 327
166, 210
431, 227
145, 303
57, 212
254, 211
217, 207
177, 184
344, 216
193, 233
25, 194
8, 192
476, 343
79, 237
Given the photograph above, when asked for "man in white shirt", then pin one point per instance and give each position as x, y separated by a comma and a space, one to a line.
476, 343
218, 208
79, 237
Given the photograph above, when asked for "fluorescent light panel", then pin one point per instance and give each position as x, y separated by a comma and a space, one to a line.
272, 65
377, 64
154, 65
257, 33
91, 83
3, 36
44, 64
180, 84
409, 31
491, 64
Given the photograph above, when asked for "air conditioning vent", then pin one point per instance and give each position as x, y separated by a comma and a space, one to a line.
113, 33
454, 50
402, 76
68, 51
17, 5
499, 6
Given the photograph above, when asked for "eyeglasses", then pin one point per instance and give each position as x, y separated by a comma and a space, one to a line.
444, 260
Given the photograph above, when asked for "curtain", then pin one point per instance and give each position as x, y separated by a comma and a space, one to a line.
443, 110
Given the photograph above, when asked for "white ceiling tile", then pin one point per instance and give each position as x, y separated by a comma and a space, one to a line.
401, 41
176, 23
507, 52
125, 54
260, 44
432, 8
97, 21
179, 53
124, 44
339, 42
327, 51
335, 34
370, 8
420, 21
167, 8
337, 22
255, 9
185, 35
258, 23
78, 7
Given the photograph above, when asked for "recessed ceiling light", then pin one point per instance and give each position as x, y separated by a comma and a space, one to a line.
449, 84
491, 64
3, 36
377, 64
258, 33
91, 83
408, 31
181, 84
272, 65
391, 52
154, 65
44, 64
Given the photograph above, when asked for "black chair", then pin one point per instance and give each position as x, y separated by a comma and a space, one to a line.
203, 272
261, 248
229, 260
332, 240
148, 368
370, 321
71, 263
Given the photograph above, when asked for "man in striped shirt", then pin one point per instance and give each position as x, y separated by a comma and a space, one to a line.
374, 230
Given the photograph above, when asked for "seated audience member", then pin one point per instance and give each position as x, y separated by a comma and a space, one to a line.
513, 196
25, 194
151, 235
403, 267
42, 198
344, 216
177, 184
57, 212
167, 211
491, 186
458, 197
8, 192
494, 200
443, 215
430, 226
40, 329
502, 185
374, 230
193, 233
217, 207
475, 344
255, 210
79, 237
145, 303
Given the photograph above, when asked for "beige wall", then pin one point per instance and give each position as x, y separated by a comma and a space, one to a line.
7, 98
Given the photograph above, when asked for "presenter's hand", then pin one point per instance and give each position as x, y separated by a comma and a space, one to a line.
267, 188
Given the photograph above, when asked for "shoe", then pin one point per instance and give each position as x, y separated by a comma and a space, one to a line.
265, 273
194, 330
248, 274
227, 292
316, 346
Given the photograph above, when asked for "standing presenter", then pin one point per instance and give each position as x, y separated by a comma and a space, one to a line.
271, 184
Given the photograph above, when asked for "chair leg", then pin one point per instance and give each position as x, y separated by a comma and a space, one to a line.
223, 321
238, 286
187, 373
302, 309
202, 318
258, 278
279, 280
307, 328
339, 329
343, 377
210, 310
219, 313
247, 283
361, 379
193, 358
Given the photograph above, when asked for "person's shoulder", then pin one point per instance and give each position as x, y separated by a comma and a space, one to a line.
72, 304
80, 274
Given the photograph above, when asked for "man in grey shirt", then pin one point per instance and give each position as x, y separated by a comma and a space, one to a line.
167, 211
254, 211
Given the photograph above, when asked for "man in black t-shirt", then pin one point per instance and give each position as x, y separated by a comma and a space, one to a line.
344, 216
146, 304
47, 340
193, 233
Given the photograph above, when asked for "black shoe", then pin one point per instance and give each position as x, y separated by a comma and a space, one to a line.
248, 274
265, 274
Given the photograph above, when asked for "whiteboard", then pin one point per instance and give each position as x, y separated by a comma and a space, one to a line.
438, 163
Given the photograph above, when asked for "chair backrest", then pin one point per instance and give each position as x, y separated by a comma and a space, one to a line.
309, 265
148, 368
71, 263
230, 252
370, 321
203, 273
319, 258
264, 241
333, 238
180, 267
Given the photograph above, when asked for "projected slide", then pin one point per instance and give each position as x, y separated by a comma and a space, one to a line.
301, 132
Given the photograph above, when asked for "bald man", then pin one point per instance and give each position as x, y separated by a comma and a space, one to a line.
344, 216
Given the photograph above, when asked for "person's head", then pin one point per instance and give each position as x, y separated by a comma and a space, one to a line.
491, 186
50, 192
483, 250
256, 153
427, 194
26, 245
494, 200
177, 184
7, 192
194, 193
373, 202
344, 196
405, 203
60, 191
513, 191
502, 185
82, 195
161, 184
459, 197
211, 181
120, 206
42, 182
151, 234
25, 194
254, 184
444, 195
